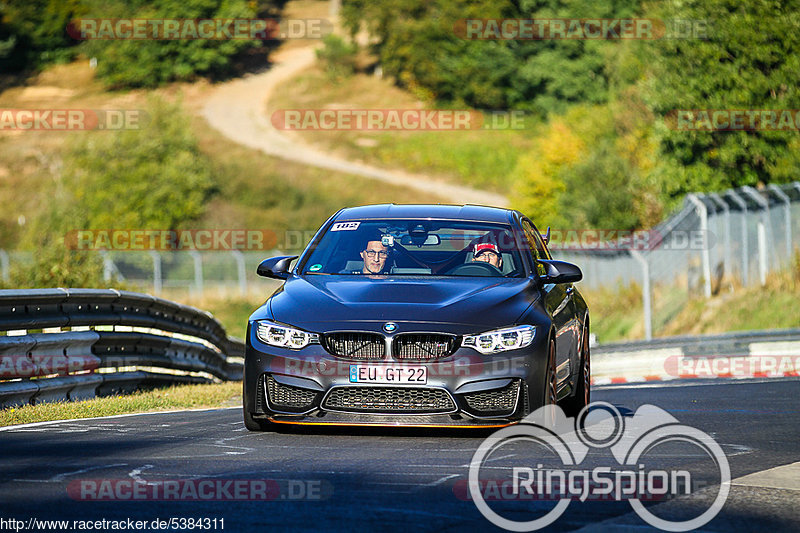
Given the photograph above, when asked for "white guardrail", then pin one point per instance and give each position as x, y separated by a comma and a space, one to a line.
773, 353
74, 344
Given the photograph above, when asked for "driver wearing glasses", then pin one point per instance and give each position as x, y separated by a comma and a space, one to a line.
374, 256
488, 253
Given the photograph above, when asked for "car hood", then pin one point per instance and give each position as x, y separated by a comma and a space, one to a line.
321, 302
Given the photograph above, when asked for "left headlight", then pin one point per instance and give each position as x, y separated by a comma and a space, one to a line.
276, 334
501, 340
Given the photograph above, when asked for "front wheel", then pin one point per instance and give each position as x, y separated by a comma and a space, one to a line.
255, 425
572, 405
249, 422
544, 392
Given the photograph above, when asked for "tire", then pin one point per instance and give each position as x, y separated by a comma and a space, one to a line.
544, 392
551, 388
573, 405
249, 422
255, 425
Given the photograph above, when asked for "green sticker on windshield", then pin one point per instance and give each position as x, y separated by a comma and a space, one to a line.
314, 268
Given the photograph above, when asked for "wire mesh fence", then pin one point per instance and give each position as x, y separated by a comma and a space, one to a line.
715, 241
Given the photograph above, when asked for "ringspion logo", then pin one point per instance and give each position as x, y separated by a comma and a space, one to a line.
564, 444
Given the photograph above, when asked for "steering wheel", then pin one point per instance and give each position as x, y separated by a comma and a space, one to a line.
476, 268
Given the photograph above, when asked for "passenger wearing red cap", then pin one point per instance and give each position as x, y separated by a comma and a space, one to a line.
488, 253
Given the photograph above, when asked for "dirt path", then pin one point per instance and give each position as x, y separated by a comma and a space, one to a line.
238, 110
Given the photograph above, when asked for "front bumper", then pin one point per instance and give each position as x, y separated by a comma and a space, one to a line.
465, 389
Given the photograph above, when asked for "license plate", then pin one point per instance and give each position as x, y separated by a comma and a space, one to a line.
413, 375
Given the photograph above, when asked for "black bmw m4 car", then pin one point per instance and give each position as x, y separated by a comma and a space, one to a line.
420, 315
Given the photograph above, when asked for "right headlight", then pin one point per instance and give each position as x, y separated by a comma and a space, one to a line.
501, 340
276, 334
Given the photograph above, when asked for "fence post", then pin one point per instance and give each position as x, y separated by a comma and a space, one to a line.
703, 212
787, 218
763, 263
108, 266
646, 302
745, 257
4, 264
157, 280
238, 256
762, 252
727, 214
198, 271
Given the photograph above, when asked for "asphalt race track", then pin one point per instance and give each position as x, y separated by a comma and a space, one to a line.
382, 479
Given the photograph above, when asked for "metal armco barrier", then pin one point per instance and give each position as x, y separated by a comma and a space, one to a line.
161, 342
771, 353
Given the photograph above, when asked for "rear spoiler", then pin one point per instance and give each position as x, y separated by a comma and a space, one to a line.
546, 236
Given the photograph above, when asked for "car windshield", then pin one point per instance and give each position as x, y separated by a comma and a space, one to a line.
416, 248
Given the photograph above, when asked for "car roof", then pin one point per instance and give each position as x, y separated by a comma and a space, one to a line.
476, 213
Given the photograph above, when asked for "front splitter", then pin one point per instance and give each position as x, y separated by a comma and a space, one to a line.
425, 421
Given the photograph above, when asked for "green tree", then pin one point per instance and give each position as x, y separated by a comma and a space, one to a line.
152, 178
418, 43
149, 63
33, 32
155, 177
555, 73
592, 167
749, 61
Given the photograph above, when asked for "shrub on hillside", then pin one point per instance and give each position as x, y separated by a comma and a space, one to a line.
337, 56
152, 178
149, 63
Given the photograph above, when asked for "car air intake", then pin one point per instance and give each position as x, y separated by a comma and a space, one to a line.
422, 346
287, 398
494, 402
356, 345
389, 400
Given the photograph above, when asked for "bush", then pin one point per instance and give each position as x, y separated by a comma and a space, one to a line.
338, 57
154, 178
150, 63
32, 32
55, 266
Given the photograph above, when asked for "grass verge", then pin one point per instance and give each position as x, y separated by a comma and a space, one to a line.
215, 395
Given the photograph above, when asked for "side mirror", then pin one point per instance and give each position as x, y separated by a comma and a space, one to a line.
560, 272
546, 236
276, 267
